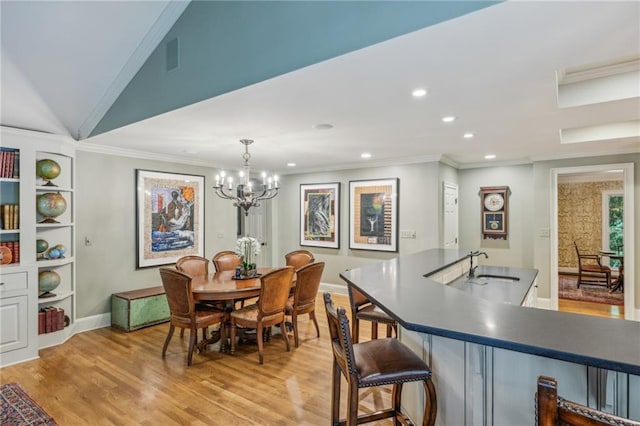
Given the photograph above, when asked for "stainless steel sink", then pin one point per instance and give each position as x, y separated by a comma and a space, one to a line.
499, 277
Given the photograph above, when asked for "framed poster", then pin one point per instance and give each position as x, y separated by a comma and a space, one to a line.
320, 215
373, 214
169, 217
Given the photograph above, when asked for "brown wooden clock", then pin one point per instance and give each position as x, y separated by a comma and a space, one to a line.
494, 207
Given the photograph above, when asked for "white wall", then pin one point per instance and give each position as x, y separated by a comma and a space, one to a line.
542, 209
517, 249
106, 213
418, 210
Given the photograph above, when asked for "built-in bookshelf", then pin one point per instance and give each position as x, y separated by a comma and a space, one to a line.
44, 244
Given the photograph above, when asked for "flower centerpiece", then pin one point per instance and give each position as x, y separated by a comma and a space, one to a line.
248, 248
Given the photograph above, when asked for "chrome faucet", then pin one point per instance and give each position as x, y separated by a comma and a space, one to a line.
472, 269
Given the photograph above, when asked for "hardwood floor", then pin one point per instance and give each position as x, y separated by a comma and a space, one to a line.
110, 377
591, 308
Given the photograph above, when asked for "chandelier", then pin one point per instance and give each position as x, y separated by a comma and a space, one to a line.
247, 193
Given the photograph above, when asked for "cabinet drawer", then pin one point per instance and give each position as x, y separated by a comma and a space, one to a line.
15, 281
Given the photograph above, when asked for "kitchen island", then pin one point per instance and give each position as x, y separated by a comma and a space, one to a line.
486, 351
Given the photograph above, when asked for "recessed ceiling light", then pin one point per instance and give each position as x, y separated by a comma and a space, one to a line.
448, 118
468, 135
490, 156
323, 126
365, 155
418, 93
291, 164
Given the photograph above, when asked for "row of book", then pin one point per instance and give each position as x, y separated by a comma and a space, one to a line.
10, 216
50, 319
10, 164
14, 247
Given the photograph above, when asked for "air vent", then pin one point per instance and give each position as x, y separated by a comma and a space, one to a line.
173, 54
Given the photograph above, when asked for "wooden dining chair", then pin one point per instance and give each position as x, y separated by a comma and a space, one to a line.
268, 311
553, 410
370, 364
299, 258
590, 269
226, 260
193, 265
184, 315
363, 309
303, 300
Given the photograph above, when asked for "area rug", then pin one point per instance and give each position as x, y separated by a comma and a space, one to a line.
567, 289
19, 409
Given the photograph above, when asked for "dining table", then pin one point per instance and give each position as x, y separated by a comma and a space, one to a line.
225, 286
618, 283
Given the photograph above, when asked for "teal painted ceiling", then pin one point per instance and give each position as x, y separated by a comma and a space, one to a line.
226, 45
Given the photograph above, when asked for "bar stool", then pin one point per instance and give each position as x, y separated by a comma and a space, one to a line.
374, 363
363, 309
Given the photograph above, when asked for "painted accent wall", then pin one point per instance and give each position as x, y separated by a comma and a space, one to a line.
580, 219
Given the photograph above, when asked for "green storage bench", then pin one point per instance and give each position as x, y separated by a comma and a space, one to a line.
131, 310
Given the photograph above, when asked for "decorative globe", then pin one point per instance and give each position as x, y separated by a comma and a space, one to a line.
54, 253
62, 249
47, 282
47, 169
41, 246
50, 205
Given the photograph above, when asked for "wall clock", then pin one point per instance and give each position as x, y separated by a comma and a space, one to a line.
494, 211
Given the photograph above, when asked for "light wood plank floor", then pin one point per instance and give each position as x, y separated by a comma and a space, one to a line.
591, 308
109, 377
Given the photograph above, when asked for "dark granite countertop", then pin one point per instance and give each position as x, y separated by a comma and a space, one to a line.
399, 287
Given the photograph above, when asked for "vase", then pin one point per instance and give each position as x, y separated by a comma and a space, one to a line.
248, 273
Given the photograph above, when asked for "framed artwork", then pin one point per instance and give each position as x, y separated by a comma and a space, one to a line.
373, 214
169, 217
320, 215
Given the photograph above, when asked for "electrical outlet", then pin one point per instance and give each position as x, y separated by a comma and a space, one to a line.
411, 234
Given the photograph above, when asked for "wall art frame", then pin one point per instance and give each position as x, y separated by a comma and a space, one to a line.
373, 214
320, 215
169, 217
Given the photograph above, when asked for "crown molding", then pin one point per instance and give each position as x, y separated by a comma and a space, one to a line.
142, 155
367, 164
149, 43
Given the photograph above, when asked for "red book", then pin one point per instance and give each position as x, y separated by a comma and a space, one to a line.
3, 161
48, 319
60, 318
16, 252
41, 322
10, 157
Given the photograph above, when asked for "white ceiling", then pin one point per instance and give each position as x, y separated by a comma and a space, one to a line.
494, 69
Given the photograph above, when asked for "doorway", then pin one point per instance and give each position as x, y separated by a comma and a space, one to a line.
450, 194
559, 235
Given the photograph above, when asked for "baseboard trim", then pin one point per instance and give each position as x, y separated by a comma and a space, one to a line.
92, 323
334, 288
543, 303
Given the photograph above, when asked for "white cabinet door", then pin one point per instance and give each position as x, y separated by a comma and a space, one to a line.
13, 323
